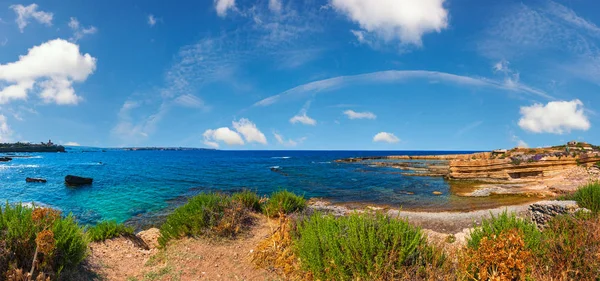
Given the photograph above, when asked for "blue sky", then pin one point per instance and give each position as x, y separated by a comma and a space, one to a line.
308, 74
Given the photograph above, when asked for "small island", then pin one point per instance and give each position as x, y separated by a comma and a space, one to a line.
31, 147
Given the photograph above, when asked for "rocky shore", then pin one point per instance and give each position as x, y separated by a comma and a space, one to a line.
541, 172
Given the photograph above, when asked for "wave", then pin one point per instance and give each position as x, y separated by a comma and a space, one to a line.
274, 167
281, 157
18, 166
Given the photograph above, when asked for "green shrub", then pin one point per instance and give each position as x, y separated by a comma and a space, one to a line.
205, 214
61, 241
588, 197
358, 247
571, 245
249, 199
283, 202
502, 223
108, 230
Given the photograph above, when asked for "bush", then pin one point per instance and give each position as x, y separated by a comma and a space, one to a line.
572, 249
24, 231
108, 230
249, 199
588, 197
283, 202
359, 247
504, 222
498, 257
205, 214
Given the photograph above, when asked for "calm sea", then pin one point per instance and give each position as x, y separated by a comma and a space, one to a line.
134, 183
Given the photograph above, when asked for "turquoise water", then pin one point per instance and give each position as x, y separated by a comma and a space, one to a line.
136, 183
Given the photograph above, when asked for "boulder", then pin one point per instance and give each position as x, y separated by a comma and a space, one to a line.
5, 159
76, 181
541, 212
35, 180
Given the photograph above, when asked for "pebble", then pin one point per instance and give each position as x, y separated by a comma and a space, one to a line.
437, 193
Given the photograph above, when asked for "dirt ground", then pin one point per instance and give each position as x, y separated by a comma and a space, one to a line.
185, 259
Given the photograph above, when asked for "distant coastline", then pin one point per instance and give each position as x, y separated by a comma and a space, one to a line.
164, 148
31, 147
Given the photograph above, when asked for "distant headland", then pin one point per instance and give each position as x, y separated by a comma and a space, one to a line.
31, 147
164, 148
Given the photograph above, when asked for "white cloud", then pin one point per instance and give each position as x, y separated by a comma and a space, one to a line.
290, 142
189, 100
359, 115
304, 119
72, 143
243, 127
79, 31
556, 117
131, 131
151, 20
53, 66
522, 144
275, 5
249, 130
223, 134
403, 20
4, 42
223, 5
395, 76
386, 137
5, 131
501, 66
25, 13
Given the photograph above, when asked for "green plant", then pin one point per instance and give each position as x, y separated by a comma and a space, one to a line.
597, 164
54, 243
108, 230
588, 197
516, 161
204, 214
499, 257
504, 222
283, 202
249, 199
572, 247
359, 247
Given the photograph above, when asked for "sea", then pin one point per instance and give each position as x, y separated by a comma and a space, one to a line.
137, 184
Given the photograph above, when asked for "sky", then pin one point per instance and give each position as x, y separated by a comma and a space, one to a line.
302, 74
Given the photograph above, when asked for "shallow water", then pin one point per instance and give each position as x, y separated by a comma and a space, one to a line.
135, 183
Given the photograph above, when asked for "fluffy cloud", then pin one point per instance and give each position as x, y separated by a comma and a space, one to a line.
151, 20
403, 20
386, 137
243, 127
72, 143
223, 134
52, 66
304, 119
79, 31
249, 131
222, 6
25, 13
556, 117
5, 131
359, 115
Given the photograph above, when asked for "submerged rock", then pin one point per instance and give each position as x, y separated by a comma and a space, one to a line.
35, 180
5, 159
76, 181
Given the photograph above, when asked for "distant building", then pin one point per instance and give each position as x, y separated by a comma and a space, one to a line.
499, 151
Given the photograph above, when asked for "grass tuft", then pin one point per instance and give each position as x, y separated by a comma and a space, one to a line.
505, 222
588, 197
283, 202
108, 230
359, 247
248, 199
210, 214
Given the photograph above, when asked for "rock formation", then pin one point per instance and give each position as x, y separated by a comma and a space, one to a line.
77, 181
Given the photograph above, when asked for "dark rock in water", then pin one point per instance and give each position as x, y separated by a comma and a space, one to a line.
35, 180
76, 181
5, 159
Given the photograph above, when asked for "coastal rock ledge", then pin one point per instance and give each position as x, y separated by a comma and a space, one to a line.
541, 212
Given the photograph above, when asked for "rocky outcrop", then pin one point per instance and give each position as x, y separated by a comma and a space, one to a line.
77, 181
35, 180
541, 212
5, 159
